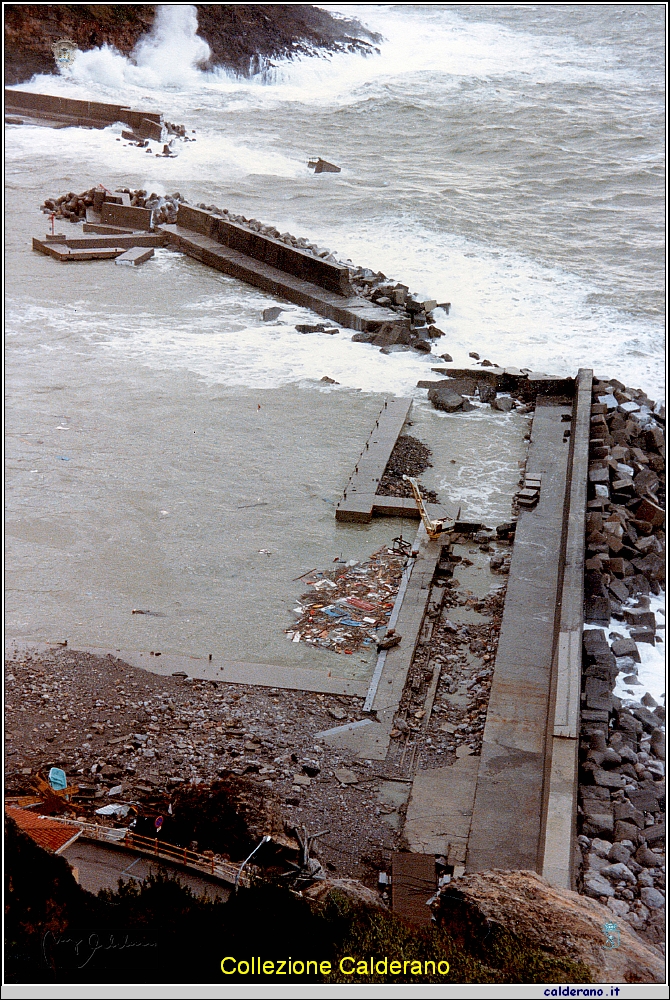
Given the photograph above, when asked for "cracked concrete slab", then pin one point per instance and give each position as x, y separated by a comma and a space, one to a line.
439, 811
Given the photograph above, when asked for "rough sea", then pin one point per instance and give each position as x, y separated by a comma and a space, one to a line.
508, 158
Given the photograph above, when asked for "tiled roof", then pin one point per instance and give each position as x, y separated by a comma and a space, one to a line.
47, 833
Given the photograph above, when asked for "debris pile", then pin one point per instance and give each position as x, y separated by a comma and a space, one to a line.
142, 743
504, 389
349, 604
410, 457
443, 708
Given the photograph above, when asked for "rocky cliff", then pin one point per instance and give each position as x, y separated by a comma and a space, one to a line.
240, 36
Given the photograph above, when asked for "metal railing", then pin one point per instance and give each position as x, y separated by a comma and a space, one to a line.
152, 846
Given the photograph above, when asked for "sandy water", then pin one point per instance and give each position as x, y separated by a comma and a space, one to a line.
136, 483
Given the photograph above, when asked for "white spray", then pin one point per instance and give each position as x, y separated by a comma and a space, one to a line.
168, 57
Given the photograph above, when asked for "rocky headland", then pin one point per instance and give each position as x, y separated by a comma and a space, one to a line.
241, 37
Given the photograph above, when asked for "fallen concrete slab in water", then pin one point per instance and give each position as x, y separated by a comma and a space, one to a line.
135, 256
126, 215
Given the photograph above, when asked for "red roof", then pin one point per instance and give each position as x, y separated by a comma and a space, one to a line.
47, 833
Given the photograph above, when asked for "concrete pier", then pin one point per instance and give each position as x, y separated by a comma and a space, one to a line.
360, 500
507, 827
359, 494
100, 242
62, 112
353, 312
561, 785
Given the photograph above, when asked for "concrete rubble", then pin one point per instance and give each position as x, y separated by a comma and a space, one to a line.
107, 723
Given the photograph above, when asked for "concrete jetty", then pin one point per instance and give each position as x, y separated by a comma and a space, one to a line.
359, 494
64, 112
360, 500
513, 807
507, 813
280, 270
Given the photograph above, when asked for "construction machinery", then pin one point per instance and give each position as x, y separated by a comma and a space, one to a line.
433, 528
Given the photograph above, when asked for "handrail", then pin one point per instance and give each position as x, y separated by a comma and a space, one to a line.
223, 870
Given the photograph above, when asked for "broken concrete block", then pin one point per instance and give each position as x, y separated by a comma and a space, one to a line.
446, 399
598, 693
125, 215
271, 314
320, 166
502, 403
646, 510
135, 256
487, 393
626, 831
346, 777
625, 647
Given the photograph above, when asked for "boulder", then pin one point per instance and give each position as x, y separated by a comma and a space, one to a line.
502, 403
598, 818
390, 333
354, 890
619, 854
520, 905
652, 898
626, 831
444, 397
619, 872
487, 393
654, 835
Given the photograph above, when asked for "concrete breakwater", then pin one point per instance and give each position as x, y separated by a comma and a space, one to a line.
385, 313
65, 111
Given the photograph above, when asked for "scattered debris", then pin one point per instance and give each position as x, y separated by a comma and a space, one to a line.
389, 641
349, 604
